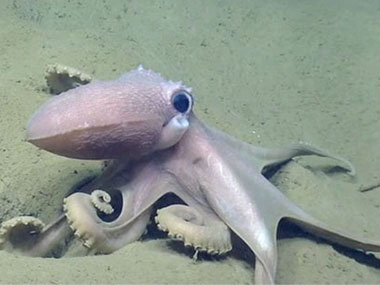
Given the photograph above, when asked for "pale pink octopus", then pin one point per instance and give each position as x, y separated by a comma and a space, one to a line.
145, 126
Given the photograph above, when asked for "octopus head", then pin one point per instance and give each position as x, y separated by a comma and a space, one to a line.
135, 115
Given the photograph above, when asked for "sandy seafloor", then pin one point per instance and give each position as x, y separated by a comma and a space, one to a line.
267, 72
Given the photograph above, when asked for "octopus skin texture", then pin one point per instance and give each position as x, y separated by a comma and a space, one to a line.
145, 127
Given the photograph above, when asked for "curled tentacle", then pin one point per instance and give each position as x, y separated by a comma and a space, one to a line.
19, 233
101, 201
60, 78
29, 236
201, 231
97, 234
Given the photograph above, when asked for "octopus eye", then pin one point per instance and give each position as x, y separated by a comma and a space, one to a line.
182, 101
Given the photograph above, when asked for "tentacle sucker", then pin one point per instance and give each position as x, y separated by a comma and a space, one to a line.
201, 231
101, 201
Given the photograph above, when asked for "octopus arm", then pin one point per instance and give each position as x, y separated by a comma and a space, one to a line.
333, 234
138, 197
263, 158
29, 236
252, 207
267, 157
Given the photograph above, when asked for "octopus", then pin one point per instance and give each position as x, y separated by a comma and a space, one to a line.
144, 126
